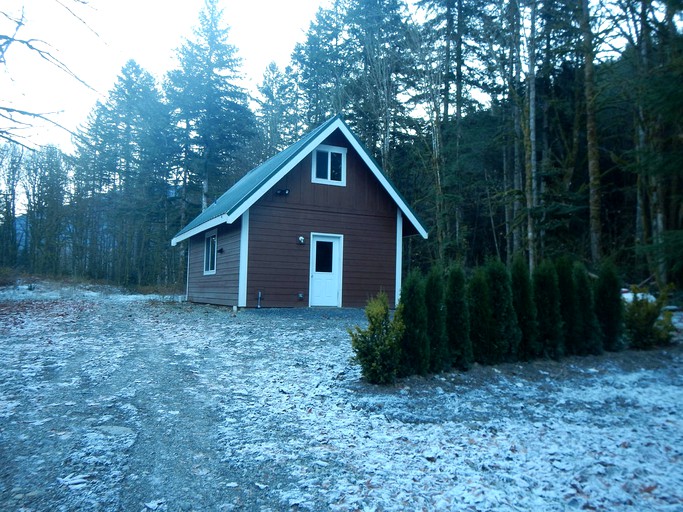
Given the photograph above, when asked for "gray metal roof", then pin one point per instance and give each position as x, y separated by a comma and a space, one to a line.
231, 205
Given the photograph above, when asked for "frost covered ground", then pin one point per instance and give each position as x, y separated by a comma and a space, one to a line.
123, 402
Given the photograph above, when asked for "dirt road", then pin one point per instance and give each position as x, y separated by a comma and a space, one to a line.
118, 402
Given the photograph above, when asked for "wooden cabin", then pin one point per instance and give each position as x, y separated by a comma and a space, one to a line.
318, 224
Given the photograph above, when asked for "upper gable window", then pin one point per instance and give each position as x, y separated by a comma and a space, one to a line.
329, 165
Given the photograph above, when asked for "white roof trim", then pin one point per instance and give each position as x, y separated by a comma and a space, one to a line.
303, 153
221, 219
382, 179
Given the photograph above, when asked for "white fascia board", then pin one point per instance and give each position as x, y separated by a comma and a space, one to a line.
244, 262
303, 153
382, 179
221, 219
399, 256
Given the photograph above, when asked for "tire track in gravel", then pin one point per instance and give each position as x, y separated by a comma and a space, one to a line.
175, 462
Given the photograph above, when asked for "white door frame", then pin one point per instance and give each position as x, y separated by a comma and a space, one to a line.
337, 263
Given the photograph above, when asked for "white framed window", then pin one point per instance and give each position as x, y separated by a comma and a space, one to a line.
329, 166
210, 252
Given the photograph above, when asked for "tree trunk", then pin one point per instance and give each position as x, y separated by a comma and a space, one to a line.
532, 164
595, 224
447, 60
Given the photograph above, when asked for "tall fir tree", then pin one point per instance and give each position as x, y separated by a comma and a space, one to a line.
120, 205
436, 320
569, 306
588, 328
525, 308
481, 317
415, 350
547, 297
210, 111
506, 332
458, 319
45, 175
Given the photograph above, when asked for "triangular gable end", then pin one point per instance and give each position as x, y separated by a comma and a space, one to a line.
232, 205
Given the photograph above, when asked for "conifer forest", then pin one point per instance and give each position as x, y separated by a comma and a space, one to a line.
516, 129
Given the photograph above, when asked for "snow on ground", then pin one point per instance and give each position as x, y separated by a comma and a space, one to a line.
124, 402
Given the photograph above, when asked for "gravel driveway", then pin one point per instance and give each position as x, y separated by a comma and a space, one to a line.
123, 402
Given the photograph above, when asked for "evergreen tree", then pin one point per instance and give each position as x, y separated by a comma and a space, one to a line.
506, 332
378, 348
608, 306
569, 307
323, 66
210, 110
279, 111
588, 328
458, 319
377, 39
415, 353
120, 210
436, 320
547, 296
481, 318
11, 156
45, 175
525, 308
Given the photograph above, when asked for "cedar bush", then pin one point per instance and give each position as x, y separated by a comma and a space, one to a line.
569, 307
458, 319
645, 325
588, 328
481, 317
525, 309
378, 348
505, 333
436, 320
415, 340
547, 296
608, 306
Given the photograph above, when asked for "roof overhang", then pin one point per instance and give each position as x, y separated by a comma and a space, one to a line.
262, 188
370, 162
221, 219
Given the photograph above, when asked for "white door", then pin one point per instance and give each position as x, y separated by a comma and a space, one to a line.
326, 270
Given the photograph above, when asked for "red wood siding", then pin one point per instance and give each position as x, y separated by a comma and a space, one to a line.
222, 287
362, 211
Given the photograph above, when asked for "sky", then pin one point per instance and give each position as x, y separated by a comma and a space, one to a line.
96, 39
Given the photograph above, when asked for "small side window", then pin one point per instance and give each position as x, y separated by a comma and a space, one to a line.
329, 166
210, 251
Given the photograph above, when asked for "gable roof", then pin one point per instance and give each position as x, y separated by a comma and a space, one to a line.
242, 195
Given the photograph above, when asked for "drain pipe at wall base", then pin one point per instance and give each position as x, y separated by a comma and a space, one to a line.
258, 300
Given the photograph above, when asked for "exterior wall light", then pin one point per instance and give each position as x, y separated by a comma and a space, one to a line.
301, 240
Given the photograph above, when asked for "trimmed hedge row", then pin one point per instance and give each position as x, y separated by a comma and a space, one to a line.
445, 320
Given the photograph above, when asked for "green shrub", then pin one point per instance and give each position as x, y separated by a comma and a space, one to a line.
547, 296
415, 340
646, 327
525, 308
481, 317
588, 328
505, 330
458, 319
378, 348
436, 320
608, 306
569, 307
